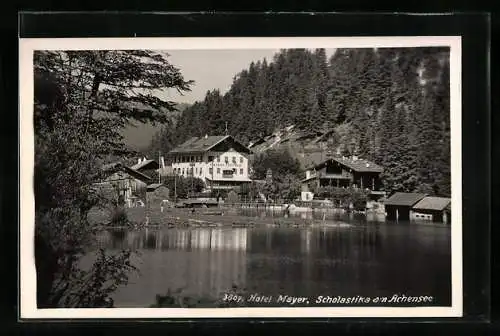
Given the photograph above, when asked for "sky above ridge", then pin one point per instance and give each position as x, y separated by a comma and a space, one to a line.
213, 69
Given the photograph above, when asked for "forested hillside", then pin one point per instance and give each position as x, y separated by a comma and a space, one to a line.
390, 105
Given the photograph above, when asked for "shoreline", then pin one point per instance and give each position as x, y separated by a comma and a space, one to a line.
228, 218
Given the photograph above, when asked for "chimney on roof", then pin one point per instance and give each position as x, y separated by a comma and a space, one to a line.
354, 157
206, 136
138, 160
367, 165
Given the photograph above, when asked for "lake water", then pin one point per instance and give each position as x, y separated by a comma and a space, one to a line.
364, 257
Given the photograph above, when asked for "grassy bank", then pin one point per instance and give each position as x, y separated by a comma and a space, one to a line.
173, 217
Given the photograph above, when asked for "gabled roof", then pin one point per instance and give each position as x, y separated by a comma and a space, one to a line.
137, 175
404, 199
116, 167
432, 203
358, 165
203, 144
146, 164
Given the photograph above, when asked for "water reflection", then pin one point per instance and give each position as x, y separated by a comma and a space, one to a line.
178, 239
364, 258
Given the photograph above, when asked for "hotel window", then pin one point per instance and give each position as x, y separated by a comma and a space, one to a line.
218, 170
241, 159
218, 158
182, 171
210, 158
192, 158
210, 171
201, 171
226, 159
234, 159
241, 171
196, 170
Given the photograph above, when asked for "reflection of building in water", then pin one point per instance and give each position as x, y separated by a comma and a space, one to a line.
218, 260
305, 240
233, 239
205, 262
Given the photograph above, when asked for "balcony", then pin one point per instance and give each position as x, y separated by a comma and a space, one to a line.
334, 176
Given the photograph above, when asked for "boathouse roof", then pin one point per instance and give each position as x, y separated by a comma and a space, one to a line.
404, 199
204, 144
432, 203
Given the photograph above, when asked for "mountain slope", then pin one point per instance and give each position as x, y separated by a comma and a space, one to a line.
139, 135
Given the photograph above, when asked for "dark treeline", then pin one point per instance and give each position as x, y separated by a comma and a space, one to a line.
390, 104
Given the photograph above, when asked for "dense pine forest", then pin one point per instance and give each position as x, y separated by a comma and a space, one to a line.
388, 105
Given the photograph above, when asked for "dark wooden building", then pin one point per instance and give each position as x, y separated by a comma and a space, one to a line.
344, 172
399, 205
437, 209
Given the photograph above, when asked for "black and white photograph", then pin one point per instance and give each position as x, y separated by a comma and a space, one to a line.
242, 177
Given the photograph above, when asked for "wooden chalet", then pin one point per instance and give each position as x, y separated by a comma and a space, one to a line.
345, 172
129, 183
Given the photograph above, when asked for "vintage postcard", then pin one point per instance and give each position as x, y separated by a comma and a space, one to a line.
240, 177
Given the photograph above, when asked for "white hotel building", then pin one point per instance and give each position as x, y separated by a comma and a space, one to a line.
220, 161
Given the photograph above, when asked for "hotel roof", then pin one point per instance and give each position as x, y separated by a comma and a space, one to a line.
203, 144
